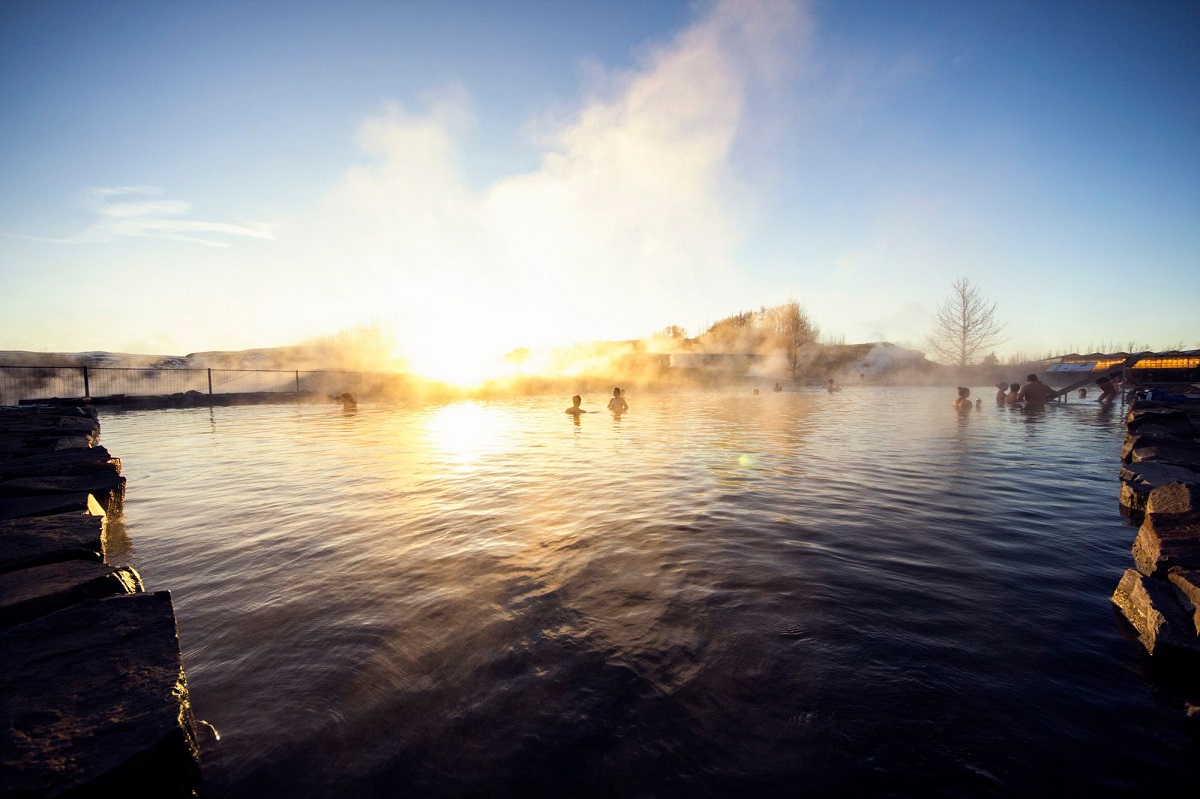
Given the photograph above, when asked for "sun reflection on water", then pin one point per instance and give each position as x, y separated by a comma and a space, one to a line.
465, 431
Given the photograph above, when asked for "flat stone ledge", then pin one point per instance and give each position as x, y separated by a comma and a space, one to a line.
51, 539
29, 593
1187, 583
108, 488
94, 702
26, 507
1176, 499
1153, 609
1139, 479
1166, 541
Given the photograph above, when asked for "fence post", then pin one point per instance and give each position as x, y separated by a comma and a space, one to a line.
210, 381
87, 391
297, 381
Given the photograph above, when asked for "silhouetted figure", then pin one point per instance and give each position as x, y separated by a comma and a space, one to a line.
617, 404
1000, 395
575, 410
349, 403
778, 387
1108, 390
1035, 392
963, 401
832, 386
1013, 390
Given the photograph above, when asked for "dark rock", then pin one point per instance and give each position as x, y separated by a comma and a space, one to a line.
1162, 625
1164, 541
1175, 499
23, 507
26, 594
1168, 450
67, 462
108, 488
1139, 479
51, 539
1187, 583
94, 702
1140, 416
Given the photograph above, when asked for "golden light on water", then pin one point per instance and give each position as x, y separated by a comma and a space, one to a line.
465, 431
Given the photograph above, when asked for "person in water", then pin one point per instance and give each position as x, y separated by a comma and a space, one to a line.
1013, 390
1000, 395
617, 404
832, 386
575, 410
1035, 392
963, 401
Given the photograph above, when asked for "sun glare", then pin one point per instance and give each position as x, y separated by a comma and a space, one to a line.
465, 431
463, 360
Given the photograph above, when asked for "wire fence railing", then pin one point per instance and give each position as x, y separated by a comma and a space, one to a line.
19, 383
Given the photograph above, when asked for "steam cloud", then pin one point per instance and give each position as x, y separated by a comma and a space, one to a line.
629, 210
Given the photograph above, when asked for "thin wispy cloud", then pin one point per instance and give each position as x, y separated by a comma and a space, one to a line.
141, 212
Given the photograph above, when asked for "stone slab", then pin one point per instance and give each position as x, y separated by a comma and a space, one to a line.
26, 594
1187, 583
1139, 479
107, 487
24, 507
84, 461
51, 539
1153, 610
94, 702
1176, 499
1166, 450
1163, 542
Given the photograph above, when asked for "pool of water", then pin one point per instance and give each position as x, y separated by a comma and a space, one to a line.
716, 594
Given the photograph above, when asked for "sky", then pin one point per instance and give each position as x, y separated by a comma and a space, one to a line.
480, 176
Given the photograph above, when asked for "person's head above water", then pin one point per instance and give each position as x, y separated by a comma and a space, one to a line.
575, 400
963, 391
1014, 386
616, 391
1031, 378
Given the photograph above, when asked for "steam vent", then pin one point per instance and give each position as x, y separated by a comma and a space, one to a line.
1160, 484
93, 697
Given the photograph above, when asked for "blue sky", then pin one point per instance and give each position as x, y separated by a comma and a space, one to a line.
186, 176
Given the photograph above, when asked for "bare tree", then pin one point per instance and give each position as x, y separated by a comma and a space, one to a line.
964, 325
793, 329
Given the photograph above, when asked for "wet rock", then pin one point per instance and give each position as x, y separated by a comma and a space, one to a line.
1176, 498
1187, 583
1139, 479
68, 462
108, 488
1164, 541
95, 703
1153, 610
26, 594
1163, 449
1141, 415
51, 539
24, 507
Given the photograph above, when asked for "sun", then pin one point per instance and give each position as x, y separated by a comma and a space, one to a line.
463, 358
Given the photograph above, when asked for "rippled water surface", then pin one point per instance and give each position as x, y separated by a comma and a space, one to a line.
717, 594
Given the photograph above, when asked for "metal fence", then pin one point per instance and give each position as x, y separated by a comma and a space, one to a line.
46, 382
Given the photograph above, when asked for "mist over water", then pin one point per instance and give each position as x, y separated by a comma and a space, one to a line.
716, 594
